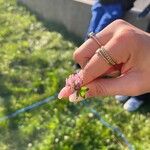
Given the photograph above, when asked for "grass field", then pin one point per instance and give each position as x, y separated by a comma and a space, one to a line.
34, 62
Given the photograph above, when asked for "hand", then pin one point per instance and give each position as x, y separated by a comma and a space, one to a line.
129, 46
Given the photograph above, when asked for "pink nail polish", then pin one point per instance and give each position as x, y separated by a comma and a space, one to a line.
60, 95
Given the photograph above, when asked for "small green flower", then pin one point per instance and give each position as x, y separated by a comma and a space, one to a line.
82, 92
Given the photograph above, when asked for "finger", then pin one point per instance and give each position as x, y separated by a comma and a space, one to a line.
123, 85
65, 92
83, 54
97, 66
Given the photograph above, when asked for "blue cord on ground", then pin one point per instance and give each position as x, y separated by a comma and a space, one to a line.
96, 114
30, 107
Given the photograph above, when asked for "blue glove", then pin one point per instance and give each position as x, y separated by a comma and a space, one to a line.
102, 15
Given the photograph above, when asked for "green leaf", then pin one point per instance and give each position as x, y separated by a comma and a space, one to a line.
83, 91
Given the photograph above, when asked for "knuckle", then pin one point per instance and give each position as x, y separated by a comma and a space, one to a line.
76, 56
119, 22
125, 34
82, 56
89, 52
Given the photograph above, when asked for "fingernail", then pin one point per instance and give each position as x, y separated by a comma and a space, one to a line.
75, 97
60, 95
65, 92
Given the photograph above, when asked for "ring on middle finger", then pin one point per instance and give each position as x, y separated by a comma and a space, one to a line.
105, 55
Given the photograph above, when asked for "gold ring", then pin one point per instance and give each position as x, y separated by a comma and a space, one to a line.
92, 35
104, 54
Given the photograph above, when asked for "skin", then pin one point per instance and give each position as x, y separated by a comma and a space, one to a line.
129, 46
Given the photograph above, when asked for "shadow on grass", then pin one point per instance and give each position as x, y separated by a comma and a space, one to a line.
145, 109
10, 131
9, 134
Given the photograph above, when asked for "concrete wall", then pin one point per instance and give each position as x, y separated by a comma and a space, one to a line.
73, 14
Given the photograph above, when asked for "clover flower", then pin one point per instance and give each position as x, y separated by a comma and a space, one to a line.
74, 81
73, 89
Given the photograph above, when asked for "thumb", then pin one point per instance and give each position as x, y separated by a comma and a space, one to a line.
123, 85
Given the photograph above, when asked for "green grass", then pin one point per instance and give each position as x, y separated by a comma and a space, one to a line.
34, 62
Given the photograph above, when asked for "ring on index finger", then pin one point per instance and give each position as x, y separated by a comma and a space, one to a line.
93, 36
